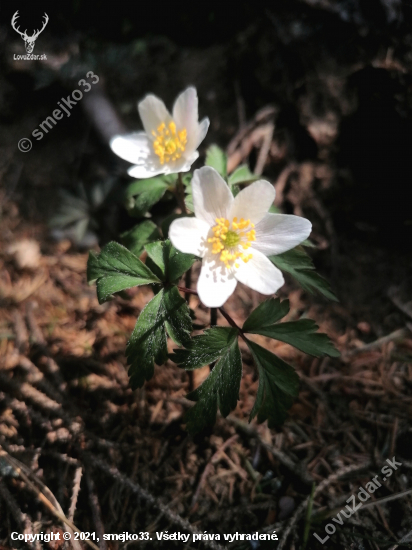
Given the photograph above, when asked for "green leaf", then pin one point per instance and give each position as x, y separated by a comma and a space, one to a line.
138, 236
115, 269
189, 202
278, 387
204, 349
266, 314
143, 194
300, 266
171, 262
167, 222
221, 387
217, 159
167, 311
301, 335
242, 174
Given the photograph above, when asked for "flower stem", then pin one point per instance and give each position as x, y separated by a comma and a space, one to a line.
233, 324
180, 193
213, 316
188, 284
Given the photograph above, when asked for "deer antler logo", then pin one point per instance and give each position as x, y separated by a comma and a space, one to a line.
29, 41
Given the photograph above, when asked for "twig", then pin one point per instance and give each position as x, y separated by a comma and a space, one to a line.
96, 511
19, 517
209, 465
396, 335
55, 508
153, 501
279, 455
76, 488
325, 483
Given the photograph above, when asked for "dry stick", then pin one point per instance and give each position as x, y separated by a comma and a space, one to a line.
404, 539
96, 511
20, 518
55, 509
251, 431
325, 483
396, 335
76, 489
209, 465
153, 501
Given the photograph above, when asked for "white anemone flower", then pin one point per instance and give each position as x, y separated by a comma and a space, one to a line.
234, 236
169, 143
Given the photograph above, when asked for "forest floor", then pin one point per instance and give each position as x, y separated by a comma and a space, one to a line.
78, 446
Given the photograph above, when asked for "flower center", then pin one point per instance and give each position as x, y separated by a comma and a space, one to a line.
169, 144
231, 239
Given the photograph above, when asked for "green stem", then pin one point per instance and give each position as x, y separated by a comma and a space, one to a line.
213, 316
180, 193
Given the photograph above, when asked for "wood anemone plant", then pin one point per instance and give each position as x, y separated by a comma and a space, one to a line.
227, 222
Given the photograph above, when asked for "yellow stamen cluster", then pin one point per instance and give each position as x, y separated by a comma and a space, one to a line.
230, 239
169, 143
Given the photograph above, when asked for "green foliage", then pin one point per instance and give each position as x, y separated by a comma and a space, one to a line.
221, 387
278, 386
141, 195
266, 314
170, 264
116, 269
242, 174
300, 334
166, 313
217, 159
79, 210
204, 349
143, 233
300, 266
167, 222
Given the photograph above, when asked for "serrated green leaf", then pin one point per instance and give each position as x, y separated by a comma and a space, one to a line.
242, 174
204, 349
115, 269
170, 262
157, 253
178, 263
145, 193
167, 311
138, 236
301, 335
266, 314
217, 159
278, 386
221, 387
300, 266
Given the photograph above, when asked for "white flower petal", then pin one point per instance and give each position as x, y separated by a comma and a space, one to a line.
212, 197
202, 131
183, 164
144, 171
185, 113
134, 147
189, 235
277, 233
153, 112
253, 202
259, 273
215, 283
